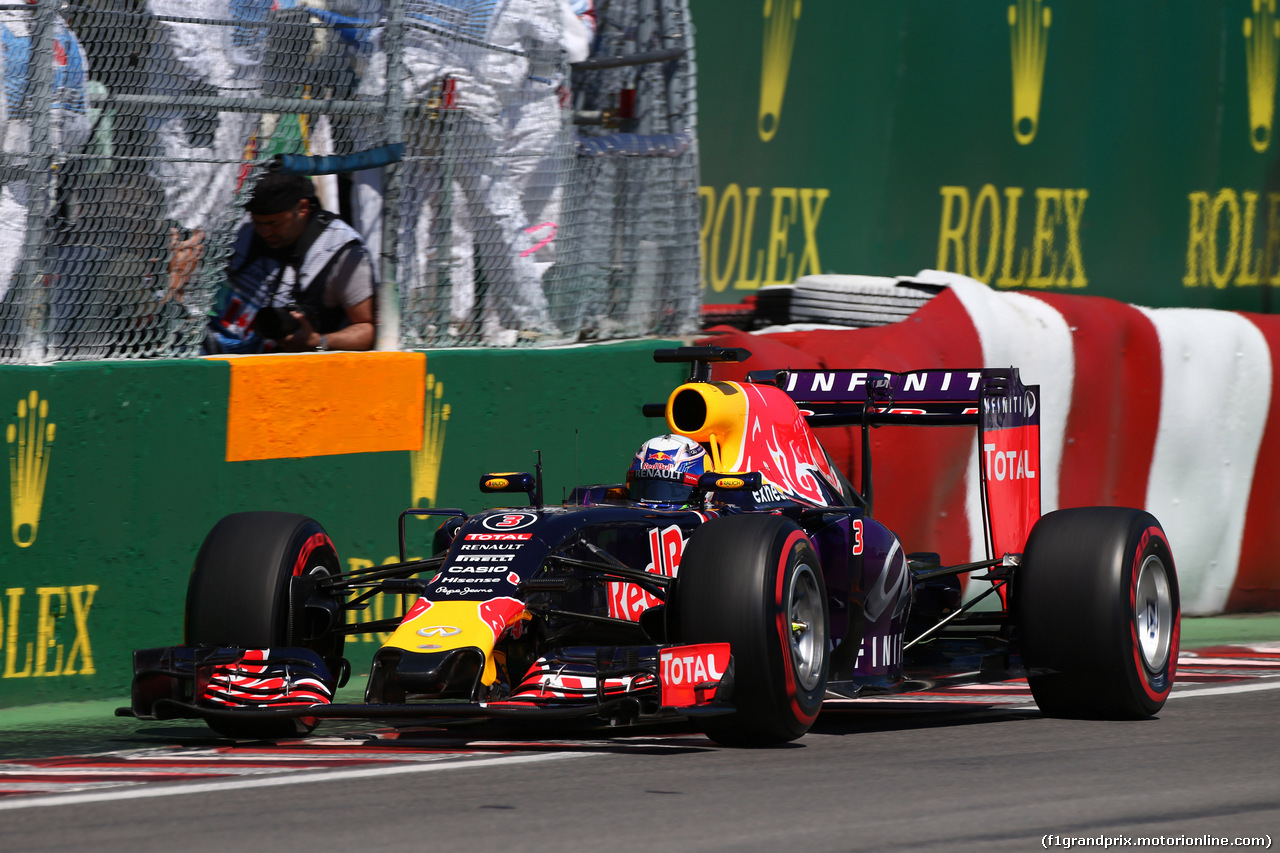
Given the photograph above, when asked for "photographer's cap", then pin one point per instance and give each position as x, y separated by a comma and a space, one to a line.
276, 193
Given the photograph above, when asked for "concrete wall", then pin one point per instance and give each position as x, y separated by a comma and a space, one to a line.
118, 470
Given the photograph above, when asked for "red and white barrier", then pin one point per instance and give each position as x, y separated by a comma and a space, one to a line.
1168, 409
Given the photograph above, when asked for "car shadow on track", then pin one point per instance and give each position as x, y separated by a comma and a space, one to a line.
501, 737
486, 737
850, 720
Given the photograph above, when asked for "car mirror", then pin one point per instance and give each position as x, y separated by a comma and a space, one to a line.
508, 482
748, 481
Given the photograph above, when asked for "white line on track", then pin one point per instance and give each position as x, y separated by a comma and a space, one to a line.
1272, 683
1259, 684
277, 781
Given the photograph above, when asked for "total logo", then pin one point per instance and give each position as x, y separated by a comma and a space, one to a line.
689, 674
693, 664
1004, 464
509, 521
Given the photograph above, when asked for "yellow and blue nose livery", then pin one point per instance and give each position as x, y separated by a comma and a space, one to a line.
437, 627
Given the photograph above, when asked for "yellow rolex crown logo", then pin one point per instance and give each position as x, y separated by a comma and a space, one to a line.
424, 464
29, 437
1029, 22
781, 18
1261, 59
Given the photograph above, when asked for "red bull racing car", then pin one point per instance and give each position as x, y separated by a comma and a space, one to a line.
737, 579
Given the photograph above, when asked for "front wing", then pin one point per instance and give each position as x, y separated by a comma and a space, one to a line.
618, 684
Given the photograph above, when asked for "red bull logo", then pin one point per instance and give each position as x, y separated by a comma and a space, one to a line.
666, 547
498, 613
419, 607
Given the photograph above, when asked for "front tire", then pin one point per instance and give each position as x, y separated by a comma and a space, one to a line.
1096, 606
241, 593
755, 582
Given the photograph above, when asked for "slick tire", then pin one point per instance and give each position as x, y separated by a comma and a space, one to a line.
754, 582
241, 594
1097, 613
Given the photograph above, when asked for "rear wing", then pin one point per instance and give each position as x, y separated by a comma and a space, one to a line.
1006, 413
917, 397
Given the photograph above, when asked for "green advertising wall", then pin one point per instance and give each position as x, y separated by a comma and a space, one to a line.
117, 471
1123, 149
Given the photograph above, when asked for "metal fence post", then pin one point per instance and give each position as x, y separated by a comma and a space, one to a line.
389, 289
34, 291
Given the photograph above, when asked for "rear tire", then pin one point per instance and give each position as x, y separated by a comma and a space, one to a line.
240, 595
755, 582
1096, 606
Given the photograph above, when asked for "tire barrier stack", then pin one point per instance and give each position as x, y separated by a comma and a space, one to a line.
1168, 409
857, 300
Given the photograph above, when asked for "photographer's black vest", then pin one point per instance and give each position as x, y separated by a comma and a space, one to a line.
303, 269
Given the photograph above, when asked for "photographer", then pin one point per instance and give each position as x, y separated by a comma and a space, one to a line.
300, 279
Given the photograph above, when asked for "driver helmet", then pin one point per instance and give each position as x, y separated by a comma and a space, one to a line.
656, 476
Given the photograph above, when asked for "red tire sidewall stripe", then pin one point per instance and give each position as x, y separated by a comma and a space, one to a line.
784, 631
1172, 663
317, 540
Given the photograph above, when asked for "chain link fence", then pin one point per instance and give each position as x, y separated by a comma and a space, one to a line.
509, 197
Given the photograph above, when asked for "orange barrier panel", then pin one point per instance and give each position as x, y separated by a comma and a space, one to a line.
289, 406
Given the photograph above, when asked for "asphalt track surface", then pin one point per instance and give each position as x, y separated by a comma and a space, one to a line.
977, 769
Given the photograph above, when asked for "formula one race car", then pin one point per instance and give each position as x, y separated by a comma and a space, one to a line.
737, 579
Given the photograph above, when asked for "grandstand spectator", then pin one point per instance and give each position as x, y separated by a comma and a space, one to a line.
202, 152
300, 279
68, 126
536, 153
452, 57
356, 23
533, 119
185, 54
104, 263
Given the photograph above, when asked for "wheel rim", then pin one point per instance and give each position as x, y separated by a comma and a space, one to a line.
1153, 613
808, 631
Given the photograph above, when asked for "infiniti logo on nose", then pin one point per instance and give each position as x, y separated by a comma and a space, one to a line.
439, 631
